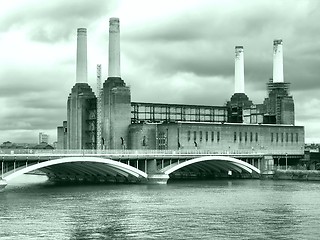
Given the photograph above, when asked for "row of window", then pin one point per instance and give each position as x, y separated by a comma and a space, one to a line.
204, 136
241, 136
276, 137
246, 137
178, 117
156, 112
178, 110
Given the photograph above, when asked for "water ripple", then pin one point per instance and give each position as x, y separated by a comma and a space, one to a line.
241, 209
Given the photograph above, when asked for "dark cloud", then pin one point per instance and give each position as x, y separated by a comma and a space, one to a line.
209, 23
203, 44
186, 57
18, 82
28, 120
182, 88
199, 57
33, 110
55, 20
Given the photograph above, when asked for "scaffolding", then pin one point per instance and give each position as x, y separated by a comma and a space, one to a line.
99, 107
284, 86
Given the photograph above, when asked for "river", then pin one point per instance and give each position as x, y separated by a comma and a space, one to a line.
33, 208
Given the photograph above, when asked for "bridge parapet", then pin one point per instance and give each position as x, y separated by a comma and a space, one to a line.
81, 152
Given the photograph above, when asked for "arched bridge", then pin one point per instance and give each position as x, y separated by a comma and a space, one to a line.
79, 168
135, 166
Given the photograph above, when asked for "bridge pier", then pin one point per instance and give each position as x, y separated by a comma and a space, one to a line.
159, 178
154, 176
152, 166
267, 167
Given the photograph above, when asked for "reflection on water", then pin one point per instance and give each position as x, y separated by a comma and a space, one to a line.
220, 209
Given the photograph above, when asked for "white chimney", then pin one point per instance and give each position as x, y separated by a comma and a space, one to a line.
114, 48
82, 76
238, 70
277, 61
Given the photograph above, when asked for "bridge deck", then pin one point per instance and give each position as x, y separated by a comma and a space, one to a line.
138, 154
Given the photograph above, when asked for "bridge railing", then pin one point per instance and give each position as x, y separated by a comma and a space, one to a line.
152, 152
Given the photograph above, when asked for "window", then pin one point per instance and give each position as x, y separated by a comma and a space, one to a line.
271, 137
245, 136
251, 137
281, 137
218, 136
256, 137
162, 140
291, 137
287, 137
235, 136
207, 136
189, 136
200, 136
277, 137
195, 136
144, 141
240, 136
297, 137
212, 136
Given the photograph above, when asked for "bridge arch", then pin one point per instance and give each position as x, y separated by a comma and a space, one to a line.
217, 162
85, 165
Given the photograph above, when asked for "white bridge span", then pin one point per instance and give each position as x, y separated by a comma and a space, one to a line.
99, 168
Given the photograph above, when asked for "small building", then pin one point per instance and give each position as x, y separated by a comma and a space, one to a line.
43, 138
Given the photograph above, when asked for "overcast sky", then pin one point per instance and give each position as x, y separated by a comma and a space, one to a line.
171, 52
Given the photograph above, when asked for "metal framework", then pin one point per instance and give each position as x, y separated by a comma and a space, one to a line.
157, 112
99, 107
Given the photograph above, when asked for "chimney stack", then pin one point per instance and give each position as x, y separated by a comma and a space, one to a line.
114, 48
239, 70
82, 76
277, 61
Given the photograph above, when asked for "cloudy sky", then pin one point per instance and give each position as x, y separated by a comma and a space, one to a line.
178, 51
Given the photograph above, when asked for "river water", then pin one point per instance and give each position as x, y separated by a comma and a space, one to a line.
32, 208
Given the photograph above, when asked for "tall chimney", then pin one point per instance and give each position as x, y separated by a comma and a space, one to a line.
239, 70
277, 61
114, 48
82, 76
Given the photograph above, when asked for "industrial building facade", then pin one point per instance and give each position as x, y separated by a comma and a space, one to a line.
123, 124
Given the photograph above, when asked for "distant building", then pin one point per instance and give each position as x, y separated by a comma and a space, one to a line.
9, 147
43, 138
62, 136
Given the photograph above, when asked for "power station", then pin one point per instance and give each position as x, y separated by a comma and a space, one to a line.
111, 120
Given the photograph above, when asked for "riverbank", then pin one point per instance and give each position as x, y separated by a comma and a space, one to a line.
303, 175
